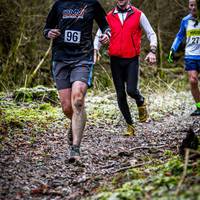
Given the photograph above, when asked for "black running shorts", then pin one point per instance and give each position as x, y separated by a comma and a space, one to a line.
66, 74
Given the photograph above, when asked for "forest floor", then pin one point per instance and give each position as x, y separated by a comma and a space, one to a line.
34, 151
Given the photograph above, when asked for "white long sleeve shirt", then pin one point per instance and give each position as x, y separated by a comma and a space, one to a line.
144, 23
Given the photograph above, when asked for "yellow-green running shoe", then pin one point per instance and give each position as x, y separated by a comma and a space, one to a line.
143, 113
130, 130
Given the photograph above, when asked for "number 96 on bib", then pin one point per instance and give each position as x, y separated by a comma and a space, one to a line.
72, 36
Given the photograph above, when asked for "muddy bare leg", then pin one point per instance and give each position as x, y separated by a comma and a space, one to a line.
65, 100
79, 115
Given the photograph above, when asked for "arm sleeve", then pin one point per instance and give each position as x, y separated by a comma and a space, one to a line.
151, 35
179, 37
51, 21
97, 44
100, 18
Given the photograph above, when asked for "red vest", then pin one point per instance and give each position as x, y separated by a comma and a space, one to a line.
125, 39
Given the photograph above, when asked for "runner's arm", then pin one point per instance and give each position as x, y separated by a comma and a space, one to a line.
100, 18
179, 37
97, 43
97, 46
51, 21
151, 35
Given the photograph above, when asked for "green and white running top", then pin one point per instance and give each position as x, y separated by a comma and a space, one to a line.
189, 30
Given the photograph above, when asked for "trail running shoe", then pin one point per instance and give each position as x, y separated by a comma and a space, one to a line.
130, 130
143, 113
70, 135
74, 154
196, 112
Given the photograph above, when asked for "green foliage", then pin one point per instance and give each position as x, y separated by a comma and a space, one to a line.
39, 93
22, 45
122, 178
28, 115
24, 116
168, 153
161, 183
174, 166
103, 196
22, 42
154, 181
20, 116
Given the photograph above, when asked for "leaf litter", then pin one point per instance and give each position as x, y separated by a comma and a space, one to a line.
33, 159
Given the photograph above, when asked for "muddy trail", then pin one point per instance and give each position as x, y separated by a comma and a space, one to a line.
34, 149
40, 170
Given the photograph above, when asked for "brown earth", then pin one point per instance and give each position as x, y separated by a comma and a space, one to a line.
40, 169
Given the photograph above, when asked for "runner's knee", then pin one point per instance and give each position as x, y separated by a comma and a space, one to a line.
67, 111
78, 104
67, 108
78, 101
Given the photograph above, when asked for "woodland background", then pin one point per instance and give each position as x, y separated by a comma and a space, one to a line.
33, 129
25, 54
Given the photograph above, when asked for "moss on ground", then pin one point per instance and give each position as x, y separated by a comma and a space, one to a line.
21, 117
155, 182
28, 111
39, 93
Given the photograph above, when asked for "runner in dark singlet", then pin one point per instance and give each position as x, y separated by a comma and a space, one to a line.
70, 24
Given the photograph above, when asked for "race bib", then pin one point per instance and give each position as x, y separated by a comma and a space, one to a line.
193, 33
72, 36
195, 40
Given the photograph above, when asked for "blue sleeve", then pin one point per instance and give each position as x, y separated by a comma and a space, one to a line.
179, 37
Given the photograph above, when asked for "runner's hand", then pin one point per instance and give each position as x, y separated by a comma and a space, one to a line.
104, 39
170, 57
97, 56
53, 33
151, 58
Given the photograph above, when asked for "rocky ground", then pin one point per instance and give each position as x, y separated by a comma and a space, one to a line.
34, 164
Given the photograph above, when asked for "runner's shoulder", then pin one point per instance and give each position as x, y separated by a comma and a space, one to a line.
186, 18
